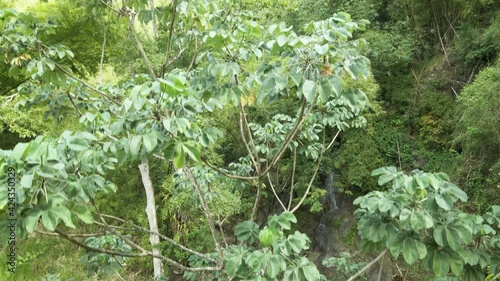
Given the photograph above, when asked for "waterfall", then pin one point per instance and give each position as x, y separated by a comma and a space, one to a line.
322, 239
331, 198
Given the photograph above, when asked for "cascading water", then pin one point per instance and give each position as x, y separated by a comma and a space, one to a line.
331, 198
322, 233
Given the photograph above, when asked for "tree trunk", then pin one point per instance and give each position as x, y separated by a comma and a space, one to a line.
151, 213
155, 25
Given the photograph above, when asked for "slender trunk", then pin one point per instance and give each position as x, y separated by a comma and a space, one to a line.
151, 213
102, 56
155, 25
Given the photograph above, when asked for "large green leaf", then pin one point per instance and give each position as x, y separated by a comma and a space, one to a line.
247, 231
150, 141
32, 220
135, 146
308, 89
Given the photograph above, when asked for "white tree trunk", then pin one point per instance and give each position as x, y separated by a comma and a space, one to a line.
151, 213
155, 25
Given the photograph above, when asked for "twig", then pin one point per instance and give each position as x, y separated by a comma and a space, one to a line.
274, 192
169, 240
320, 159
9, 99
74, 105
73, 234
380, 269
206, 210
213, 167
155, 24
170, 32
399, 155
256, 202
364, 269
219, 223
293, 178
131, 18
102, 56
195, 54
122, 254
245, 142
87, 85
300, 121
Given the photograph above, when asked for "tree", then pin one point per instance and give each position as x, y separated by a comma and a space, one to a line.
418, 217
233, 63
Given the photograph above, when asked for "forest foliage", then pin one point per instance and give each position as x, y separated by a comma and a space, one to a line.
223, 119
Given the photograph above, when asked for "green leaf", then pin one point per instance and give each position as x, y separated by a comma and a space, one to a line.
444, 201
440, 263
247, 231
268, 237
78, 144
150, 141
296, 78
64, 214
83, 213
453, 238
308, 89
135, 146
19, 149
193, 152
32, 220
49, 220
275, 265
179, 157
438, 235
284, 220
321, 49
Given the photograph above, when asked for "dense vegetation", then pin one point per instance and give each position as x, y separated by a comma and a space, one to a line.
197, 140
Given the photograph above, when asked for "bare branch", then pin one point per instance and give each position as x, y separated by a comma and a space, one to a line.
195, 54
320, 159
257, 199
170, 32
74, 105
131, 18
146, 254
72, 234
169, 240
102, 56
87, 85
206, 210
213, 167
245, 142
155, 24
274, 192
293, 178
364, 269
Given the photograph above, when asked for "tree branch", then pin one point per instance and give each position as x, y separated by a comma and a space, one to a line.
320, 159
245, 142
74, 105
274, 192
170, 32
206, 210
132, 255
293, 178
169, 240
87, 85
367, 266
213, 167
131, 18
